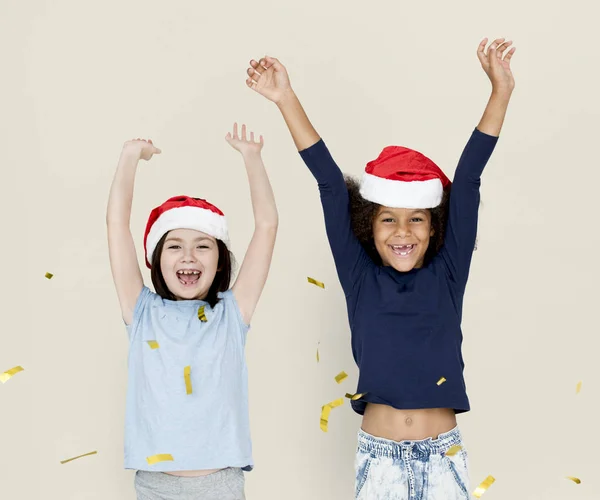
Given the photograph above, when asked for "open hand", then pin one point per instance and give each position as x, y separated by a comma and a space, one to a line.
142, 149
496, 63
269, 78
244, 145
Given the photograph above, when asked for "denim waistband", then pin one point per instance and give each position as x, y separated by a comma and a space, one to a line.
421, 449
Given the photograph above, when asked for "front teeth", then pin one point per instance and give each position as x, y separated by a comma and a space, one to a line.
188, 272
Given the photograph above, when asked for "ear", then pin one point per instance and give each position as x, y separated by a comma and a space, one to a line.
432, 232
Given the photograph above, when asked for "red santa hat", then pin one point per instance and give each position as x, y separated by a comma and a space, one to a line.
403, 178
183, 212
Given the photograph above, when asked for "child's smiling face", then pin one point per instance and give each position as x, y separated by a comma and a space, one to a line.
402, 236
189, 263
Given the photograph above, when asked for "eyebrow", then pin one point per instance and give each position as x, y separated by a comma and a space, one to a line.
414, 212
199, 238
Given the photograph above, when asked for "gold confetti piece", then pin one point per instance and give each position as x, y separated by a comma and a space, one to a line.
80, 456
355, 397
153, 344
340, 377
4, 377
485, 484
49, 275
441, 381
318, 352
201, 315
453, 450
326, 410
578, 387
315, 282
188, 380
576, 480
154, 459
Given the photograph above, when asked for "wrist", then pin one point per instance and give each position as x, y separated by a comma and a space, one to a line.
287, 97
501, 93
130, 154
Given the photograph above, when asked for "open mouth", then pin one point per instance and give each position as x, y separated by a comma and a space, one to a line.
188, 277
403, 250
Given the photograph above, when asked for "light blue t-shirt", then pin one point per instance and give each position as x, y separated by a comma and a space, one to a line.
209, 428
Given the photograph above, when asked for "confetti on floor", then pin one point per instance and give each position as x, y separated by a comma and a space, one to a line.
340, 377
578, 389
164, 457
318, 355
153, 344
576, 480
187, 371
326, 410
201, 315
485, 484
315, 282
441, 381
453, 450
80, 456
4, 377
49, 275
354, 397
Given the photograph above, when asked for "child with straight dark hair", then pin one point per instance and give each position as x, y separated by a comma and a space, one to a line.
402, 241
187, 431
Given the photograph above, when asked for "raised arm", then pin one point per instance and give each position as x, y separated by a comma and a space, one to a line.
121, 248
461, 229
269, 78
252, 277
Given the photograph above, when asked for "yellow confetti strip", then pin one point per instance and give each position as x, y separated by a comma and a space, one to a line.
154, 459
153, 344
576, 480
318, 359
355, 397
9, 373
315, 282
80, 456
578, 387
49, 275
326, 410
188, 380
453, 450
441, 381
340, 377
201, 315
485, 484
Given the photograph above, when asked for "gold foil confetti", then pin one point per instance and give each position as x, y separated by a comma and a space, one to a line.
578, 389
441, 381
576, 480
201, 315
340, 377
315, 282
4, 377
188, 379
164, 457
153, 344
318, 359
49, 275
453, 450
326, 410
354, 397
80, 456
485, 484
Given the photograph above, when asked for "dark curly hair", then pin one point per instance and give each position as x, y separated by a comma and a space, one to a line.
363, 212
220, 283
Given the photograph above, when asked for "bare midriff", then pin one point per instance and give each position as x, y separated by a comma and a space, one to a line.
407, 425
193, 473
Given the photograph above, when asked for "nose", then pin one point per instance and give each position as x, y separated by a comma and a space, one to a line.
188, 255
403, 230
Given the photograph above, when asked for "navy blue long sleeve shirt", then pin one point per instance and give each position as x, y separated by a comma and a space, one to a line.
406, 326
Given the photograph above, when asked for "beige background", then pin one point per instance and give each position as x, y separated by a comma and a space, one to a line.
80, 78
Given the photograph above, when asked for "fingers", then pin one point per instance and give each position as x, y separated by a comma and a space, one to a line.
503, 48
509, 55
481, 51
244, 132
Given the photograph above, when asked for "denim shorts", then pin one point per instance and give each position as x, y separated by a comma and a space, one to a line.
411, 470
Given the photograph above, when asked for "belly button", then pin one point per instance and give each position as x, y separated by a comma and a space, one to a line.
408, 421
